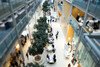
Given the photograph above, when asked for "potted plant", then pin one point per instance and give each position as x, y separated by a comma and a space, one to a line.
46, 7
40, 39
33, 65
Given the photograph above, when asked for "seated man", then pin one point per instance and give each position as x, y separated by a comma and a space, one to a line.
54, 58
51, 58
53, 49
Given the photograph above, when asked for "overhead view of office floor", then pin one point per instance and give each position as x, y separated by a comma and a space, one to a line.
49, 33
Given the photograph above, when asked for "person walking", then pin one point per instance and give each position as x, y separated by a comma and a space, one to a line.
57, 35
69, 65
27, 55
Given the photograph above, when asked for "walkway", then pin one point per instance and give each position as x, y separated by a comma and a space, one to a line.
59, 45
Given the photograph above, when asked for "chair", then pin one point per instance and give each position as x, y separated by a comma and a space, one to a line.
53, 46
47, 56
53, 50
54, 58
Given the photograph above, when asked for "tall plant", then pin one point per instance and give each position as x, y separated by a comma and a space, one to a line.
40, 37
33, 65
46, 7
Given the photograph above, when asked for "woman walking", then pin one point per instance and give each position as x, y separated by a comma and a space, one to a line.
57, 35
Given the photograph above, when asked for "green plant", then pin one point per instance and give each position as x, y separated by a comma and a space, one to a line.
40, 37
46, 7
33, 65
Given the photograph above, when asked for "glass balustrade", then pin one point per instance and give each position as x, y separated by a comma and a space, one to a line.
4, 9
9, 36
3, 48
13, 34
92, 48
81, 3
94, 8
74, 24
17, 5
20, 16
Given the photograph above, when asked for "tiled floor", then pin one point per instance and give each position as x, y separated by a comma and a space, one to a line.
59, 45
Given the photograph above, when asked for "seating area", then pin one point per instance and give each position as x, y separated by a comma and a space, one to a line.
51, 56
92, 24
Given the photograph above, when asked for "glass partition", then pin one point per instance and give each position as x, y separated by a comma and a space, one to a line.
85, 58
17, 3
74, 24
4, 8
2, 48
81, 3
94, 8
20, 14
10, 35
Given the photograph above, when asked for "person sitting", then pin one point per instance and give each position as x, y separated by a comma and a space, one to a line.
73, 61
96, 25
51, 34
53, 50
54, 58
78, 16
68, 43
47, 56
69, 65
53, 46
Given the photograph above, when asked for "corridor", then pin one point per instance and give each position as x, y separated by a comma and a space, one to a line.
59, 45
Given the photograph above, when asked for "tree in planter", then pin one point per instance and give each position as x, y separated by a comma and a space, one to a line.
33, 65
41, 27
36, 49
46, 7
40, 37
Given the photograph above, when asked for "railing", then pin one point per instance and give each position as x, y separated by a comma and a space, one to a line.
80, 3
6, 11
91, 47
77, 25
12, 35
20, 17
94, 7
74, 24
8, 40
17, 4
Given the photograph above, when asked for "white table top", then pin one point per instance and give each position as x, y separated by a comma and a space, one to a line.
51, 56
49, 47
80, 23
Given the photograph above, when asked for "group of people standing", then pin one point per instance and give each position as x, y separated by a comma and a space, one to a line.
16, 59
24, 39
